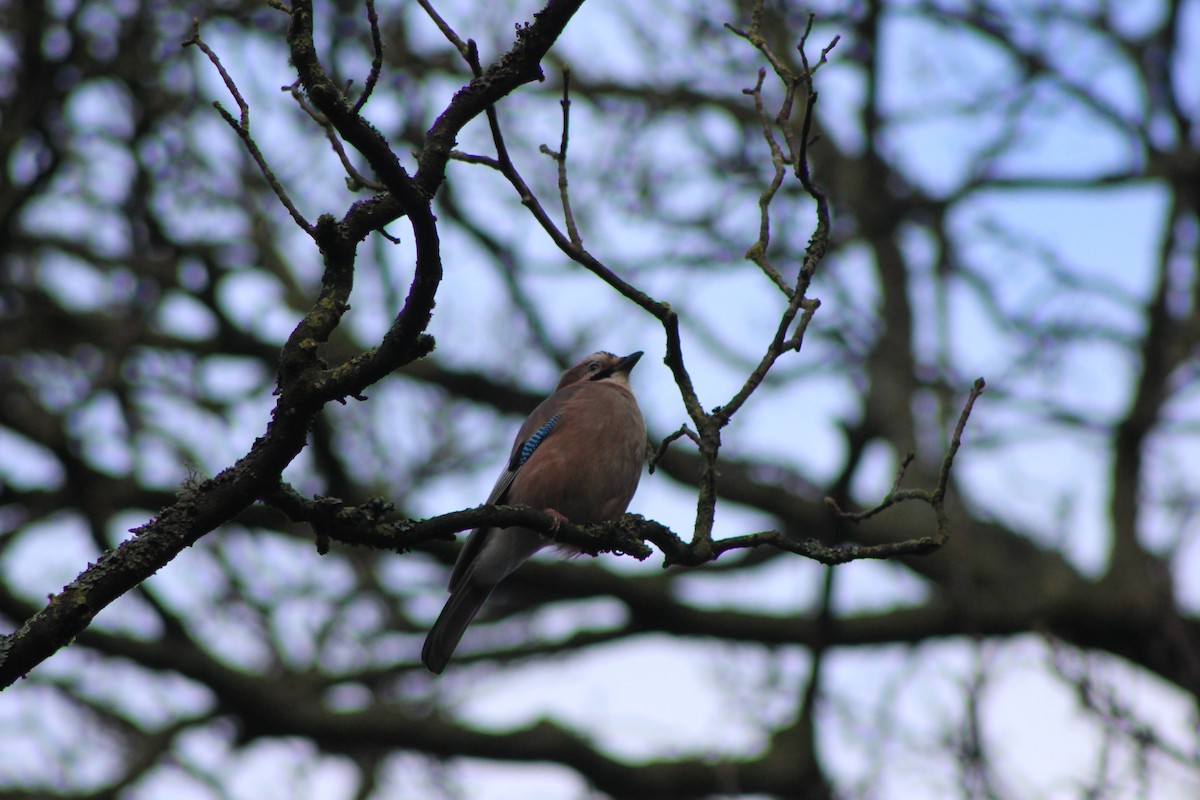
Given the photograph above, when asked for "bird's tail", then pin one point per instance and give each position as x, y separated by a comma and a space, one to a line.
464, 603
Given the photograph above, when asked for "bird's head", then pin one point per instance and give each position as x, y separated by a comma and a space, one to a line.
600, 367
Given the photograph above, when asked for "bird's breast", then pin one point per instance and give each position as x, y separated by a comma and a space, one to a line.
588, 468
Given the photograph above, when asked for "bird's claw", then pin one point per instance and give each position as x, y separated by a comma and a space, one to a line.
559, 519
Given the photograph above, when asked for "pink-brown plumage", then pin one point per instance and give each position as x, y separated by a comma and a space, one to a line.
579, 455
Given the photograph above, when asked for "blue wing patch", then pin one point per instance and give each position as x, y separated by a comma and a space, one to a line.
532, 442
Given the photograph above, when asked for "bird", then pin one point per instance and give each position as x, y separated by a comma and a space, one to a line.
578, 457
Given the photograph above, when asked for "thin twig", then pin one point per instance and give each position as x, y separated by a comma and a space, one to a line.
447, 31
376, 59
195, 40
241, 126
796, 157
934, 498
956, 440
758, 251
471, 158
661, 452
561, 159
355, 179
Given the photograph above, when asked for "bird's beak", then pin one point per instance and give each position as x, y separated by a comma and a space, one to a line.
627, 363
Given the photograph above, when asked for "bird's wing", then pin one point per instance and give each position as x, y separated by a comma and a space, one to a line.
539, 425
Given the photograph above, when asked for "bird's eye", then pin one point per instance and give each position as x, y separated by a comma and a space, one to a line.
592, 367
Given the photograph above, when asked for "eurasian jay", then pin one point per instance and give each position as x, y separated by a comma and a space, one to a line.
578, 457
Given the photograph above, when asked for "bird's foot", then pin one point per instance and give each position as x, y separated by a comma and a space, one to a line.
559, 519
